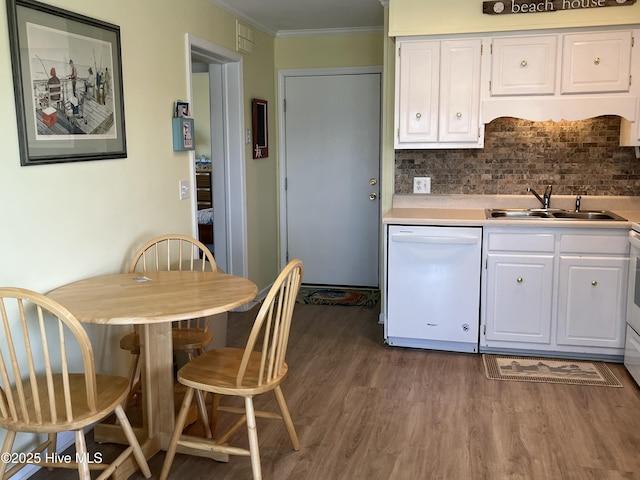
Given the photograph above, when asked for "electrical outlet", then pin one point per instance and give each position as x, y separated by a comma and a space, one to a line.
421, 184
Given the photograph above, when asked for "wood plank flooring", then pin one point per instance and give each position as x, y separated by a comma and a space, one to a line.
366, 411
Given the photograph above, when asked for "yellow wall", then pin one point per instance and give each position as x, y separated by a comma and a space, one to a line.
420, 17
262, 182
67, 221
201, 114
339, 50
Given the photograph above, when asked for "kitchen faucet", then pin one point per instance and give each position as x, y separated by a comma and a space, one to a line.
545, 200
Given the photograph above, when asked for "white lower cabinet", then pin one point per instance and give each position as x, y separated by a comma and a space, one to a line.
554, 290
519, 298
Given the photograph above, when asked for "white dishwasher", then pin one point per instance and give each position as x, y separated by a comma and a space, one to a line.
433, 287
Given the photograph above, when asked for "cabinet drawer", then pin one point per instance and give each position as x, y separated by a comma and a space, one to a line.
595, 244
521, 242
203, 180
203, 195
596, 62
524, 65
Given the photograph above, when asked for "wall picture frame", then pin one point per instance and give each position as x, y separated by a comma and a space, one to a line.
260, 128
67, 75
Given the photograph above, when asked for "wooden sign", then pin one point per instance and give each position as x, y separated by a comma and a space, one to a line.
538, 6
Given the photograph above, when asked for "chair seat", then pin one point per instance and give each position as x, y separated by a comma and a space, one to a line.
111, 391
131, 343
190, 338
184, 339
216, 371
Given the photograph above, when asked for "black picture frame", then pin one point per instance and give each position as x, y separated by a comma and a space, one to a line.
67, 76
260, 128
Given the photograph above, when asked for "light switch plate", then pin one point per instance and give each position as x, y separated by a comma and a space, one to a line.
184, 189
421, 184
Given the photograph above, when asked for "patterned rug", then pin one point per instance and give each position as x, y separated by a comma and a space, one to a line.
352, 297
549, 370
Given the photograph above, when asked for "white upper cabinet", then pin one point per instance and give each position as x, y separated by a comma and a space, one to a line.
460, 91
438, 93
418, 91
524, 65
596, 62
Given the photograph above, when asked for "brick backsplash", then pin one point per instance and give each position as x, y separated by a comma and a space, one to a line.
579, 157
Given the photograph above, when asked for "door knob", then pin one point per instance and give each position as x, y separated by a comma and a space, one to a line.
372, 196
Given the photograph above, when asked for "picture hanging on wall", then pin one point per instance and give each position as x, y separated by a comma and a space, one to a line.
67, 74
260, 128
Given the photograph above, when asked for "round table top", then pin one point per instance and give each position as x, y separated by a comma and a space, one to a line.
153, 297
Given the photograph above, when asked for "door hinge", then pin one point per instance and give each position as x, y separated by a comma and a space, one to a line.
286, 183
486, 263
489, 85
484, 330
284, 104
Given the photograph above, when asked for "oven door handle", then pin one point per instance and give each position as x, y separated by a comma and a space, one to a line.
634, 238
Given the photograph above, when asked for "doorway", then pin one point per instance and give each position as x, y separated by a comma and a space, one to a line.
330, 168
226, 107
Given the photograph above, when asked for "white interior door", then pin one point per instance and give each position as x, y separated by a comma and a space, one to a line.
332, 165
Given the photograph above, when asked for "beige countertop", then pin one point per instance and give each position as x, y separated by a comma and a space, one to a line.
469, 210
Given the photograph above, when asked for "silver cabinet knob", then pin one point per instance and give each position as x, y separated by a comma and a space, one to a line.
596, 61
523, 64
459, 115
519, 280
372, 196
373, 181
418, 115
594, 283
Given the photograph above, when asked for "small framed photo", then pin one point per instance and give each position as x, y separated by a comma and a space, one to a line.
182, 109
260, 128
183, 133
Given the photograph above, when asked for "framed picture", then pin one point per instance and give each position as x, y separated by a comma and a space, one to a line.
182, 109
183, 134
67, 75
260, 128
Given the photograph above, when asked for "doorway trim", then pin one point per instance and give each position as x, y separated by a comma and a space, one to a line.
229, 191
282, 160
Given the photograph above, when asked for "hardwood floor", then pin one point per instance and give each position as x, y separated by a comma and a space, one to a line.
367, 411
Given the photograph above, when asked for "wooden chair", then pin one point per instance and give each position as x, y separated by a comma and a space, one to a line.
40, 395
166, 253
258, 368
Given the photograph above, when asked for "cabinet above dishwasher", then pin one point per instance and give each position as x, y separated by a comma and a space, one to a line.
433, 287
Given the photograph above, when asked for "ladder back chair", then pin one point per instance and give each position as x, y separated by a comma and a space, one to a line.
257, 368
167, 253
48, 384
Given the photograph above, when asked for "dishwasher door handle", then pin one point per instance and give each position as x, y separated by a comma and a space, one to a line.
434, 239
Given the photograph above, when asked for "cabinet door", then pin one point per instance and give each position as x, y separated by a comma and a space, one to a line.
417, 87
592, 301
460, 90
519, 298
596, 62
524, 65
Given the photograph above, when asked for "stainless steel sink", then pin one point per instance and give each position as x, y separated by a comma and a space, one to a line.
552, 214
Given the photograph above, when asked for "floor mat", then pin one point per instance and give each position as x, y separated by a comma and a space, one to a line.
549, 370
358, 297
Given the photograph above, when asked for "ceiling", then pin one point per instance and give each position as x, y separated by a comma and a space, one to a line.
280, 17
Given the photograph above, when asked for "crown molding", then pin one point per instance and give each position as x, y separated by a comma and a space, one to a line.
328, 31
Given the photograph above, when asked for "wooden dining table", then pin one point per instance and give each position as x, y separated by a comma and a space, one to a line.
152, 300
